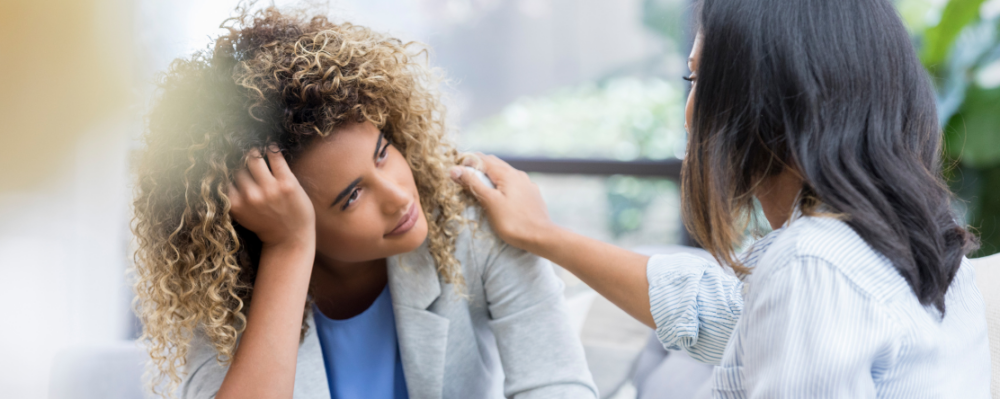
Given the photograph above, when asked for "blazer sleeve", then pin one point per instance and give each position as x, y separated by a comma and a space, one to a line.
541, 355
204, 374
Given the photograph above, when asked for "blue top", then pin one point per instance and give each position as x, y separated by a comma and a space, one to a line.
361, 354
822, 315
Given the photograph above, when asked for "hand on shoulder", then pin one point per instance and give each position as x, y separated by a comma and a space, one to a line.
515, 207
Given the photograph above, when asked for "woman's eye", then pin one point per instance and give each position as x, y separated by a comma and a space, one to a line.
385, 151
688, 78
351, 199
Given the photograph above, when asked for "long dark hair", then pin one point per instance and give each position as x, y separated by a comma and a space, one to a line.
833, 90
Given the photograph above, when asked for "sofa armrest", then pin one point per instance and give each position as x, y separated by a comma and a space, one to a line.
988, 281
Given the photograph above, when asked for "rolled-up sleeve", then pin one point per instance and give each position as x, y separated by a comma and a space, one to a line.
694, 303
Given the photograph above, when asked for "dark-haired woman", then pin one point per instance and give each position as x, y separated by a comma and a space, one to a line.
821, 111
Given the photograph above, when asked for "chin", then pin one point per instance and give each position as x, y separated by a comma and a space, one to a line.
416, 236
410, 240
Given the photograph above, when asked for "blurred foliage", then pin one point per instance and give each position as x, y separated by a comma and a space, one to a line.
973, 134
628, 118
938, 39
960, 47
621, 118
667, 18
629, 198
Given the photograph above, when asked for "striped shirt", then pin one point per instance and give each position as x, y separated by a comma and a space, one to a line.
822, 315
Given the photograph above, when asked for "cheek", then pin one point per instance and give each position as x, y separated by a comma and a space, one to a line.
358, 239
400, 172
689, 108
403, 176
417, 235
350, 239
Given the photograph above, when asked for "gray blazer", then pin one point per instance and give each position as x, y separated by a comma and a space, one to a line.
508, 338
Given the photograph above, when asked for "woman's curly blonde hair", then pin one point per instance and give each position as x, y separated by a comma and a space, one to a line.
275, 77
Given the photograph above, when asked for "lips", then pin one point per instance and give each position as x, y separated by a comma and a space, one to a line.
407, 222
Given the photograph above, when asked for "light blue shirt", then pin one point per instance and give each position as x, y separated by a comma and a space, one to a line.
361, 354
822, 315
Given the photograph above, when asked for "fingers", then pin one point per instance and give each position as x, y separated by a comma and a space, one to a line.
258, 168
485, 163
279, 167
237, 192
471, 160
234, 197
493, 162
246, 187
498, 170
468, 179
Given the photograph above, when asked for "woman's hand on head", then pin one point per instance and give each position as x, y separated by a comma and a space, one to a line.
271, 202
515, 207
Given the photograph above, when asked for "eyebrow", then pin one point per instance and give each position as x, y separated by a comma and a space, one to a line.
378, 145
346, 191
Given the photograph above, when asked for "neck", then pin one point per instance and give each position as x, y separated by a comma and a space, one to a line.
342, 290
777, 196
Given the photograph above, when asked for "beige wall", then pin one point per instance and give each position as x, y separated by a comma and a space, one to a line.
64, 68
65, 87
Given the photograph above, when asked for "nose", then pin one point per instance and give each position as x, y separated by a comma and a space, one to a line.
395, 198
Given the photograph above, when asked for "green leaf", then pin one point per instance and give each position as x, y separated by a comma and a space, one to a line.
938, 39
973, 134
666, 18
986, 212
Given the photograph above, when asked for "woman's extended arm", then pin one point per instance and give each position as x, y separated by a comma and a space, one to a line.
616, 273
518, 215
690, 301
274, 206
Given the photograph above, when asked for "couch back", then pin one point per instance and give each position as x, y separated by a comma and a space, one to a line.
988, 280
107, 371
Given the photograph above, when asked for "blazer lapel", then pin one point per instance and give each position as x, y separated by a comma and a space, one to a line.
422, 334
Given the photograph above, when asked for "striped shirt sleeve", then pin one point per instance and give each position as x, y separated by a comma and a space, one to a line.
694, 303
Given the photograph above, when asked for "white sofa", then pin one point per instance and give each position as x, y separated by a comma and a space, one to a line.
114, 371
109, 371
988, 280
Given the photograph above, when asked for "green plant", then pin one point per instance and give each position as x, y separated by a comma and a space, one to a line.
961, 51
622, 118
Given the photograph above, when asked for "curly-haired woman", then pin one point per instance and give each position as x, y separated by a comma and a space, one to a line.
302, 165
